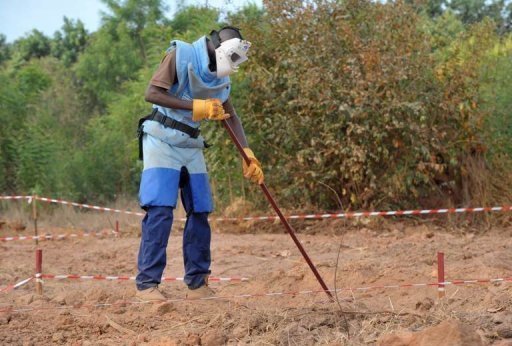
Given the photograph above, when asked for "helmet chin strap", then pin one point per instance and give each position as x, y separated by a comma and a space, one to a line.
212, 56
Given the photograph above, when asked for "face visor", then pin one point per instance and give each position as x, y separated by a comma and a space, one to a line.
230, 54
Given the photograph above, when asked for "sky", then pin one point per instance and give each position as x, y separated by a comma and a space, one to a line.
19, 17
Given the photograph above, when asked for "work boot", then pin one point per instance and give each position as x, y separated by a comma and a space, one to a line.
202, 292
150, 294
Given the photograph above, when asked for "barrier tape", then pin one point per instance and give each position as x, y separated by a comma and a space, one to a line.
15, 286
258, 295
303, 216
95, 207
58, 236
15, 197
125, 278
217, 279
375, 213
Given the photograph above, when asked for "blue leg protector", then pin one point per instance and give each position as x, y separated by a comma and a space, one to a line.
196, 240
156, 228
196, 249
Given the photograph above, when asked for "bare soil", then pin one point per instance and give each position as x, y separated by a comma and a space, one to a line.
356, 255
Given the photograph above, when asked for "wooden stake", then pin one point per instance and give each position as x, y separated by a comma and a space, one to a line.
440, 275
34, 217
39, 270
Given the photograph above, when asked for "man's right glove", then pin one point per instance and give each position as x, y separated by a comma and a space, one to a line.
210, 109
252, 171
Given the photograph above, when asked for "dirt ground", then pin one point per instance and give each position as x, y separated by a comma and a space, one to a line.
384, 252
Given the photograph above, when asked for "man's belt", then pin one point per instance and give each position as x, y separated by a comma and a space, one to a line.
173, 124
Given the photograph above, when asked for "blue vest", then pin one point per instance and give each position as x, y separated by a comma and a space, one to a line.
166, 150
195, 81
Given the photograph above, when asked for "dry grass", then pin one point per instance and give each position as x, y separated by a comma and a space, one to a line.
485, 184
53, 217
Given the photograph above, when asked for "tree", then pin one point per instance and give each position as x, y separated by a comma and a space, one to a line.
469, 11
194, 21
350, 92
12, 114
472, 11
34, 45
137, 15
117, 50
68, 43
19, 92
4, 49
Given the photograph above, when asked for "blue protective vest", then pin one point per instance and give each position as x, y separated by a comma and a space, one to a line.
195, 81
168, 151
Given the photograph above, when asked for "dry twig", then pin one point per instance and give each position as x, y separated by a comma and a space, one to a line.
119, 327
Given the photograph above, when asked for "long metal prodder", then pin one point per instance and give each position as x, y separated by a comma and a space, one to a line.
285, 223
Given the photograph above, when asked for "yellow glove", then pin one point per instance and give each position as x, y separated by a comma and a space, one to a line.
210, 109
253, 171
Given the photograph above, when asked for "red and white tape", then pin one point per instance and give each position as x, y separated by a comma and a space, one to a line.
260, 295
15, 197
373, 213
58, 236
302, 216
95, 207
125, 278
9, 288
218, 279
432, 284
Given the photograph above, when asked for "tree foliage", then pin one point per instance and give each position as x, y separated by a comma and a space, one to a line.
4, 49
34, 45
68, 44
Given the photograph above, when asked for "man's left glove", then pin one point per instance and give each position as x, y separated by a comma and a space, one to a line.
252, 171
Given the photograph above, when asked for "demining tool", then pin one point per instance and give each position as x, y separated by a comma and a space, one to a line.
285, 223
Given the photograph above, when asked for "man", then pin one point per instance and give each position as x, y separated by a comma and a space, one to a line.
191, 85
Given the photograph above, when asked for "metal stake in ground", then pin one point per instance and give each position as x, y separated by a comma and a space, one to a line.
39, 270
285, 223
440, 274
